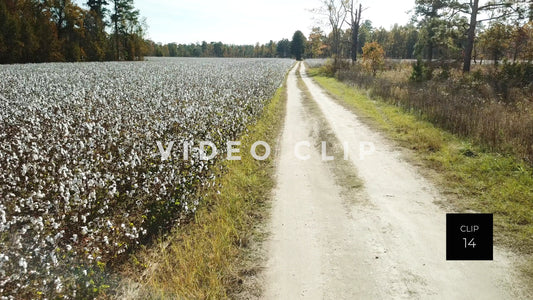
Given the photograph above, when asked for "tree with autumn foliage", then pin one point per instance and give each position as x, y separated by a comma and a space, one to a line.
33, 31
373, 57
495, 41
315, 43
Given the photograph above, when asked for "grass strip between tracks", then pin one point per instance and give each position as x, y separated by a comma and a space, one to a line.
345, 173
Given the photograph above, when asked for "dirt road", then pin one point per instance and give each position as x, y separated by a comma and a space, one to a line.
390, 243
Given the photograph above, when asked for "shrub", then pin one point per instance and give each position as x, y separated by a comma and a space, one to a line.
373, 57
469, 105
421, 72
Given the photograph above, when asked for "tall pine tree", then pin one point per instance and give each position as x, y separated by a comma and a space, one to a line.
126, 30
95, 43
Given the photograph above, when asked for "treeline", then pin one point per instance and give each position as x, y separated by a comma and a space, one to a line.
462, 30
495, 42
490, 104
400, 42
59, 30
218, 49
281, 49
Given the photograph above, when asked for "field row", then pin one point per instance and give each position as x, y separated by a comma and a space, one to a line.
82, 179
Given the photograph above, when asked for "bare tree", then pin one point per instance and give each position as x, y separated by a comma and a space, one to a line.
335, 11
354, 23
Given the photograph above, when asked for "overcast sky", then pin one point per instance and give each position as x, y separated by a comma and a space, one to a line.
249, 21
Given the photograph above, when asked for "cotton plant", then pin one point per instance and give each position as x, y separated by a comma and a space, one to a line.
82, 180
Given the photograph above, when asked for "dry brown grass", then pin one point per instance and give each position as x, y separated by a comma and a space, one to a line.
484, 105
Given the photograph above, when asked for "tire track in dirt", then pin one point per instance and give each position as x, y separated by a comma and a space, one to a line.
390, 246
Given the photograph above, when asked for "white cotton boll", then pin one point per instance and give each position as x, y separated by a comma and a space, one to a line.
112, 190
23, 264
59, 285
80, 122
92, 196
18, 244
38, 222
3, 219
84, 230
24, 229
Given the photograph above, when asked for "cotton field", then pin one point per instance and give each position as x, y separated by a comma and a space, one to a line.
82, 179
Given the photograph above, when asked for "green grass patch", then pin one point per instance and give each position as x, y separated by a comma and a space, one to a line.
472, 178
216, 254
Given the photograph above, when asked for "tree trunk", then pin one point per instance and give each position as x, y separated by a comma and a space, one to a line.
430, 50
336, 47
355, 33
60, 20
471, 37
336, 42
117, 51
